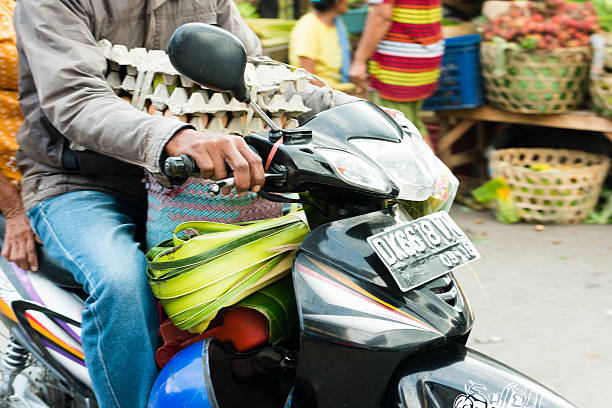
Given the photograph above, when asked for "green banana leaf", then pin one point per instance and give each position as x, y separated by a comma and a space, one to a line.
208, 266
161, 271
277, 303
200, 320
235, 261
208, 237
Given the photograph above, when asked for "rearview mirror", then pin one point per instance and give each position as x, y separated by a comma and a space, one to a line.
210, 56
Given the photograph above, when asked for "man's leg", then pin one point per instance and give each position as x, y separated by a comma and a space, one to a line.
410, 110
93, 234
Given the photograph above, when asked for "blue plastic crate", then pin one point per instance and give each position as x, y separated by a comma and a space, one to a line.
354, 19
460, 85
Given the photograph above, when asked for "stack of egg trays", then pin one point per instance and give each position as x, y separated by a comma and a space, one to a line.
148, 81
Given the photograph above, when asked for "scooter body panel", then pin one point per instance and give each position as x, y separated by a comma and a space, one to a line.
454, 376
48, 315
355, 321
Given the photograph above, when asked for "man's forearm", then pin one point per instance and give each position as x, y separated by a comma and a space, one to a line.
68, 69
376, 26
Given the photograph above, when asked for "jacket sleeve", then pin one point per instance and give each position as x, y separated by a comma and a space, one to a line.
229, 18
68, 70
319, 99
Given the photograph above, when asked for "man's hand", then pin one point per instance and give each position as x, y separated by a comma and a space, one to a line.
392, 112
19, 246
213, 153
358, 74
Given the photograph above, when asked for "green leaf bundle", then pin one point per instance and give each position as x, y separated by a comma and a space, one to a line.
208, 266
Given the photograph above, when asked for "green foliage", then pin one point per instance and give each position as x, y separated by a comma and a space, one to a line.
498, 191
247, 10
602, 213
529, 43
604, 12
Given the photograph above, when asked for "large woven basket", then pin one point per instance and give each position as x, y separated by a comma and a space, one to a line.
539, 81
601, 86
601, 94
608, 50
566, 193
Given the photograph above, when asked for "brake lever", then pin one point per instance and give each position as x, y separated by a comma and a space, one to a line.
215, 188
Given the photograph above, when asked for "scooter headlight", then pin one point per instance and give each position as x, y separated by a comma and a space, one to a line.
356, 171
410, 164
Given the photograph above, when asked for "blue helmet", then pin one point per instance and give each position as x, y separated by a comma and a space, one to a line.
185, 381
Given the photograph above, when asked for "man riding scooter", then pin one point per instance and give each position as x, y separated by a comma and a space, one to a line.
82, 154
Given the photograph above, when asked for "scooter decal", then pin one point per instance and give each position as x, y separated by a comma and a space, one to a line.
24, 279
380, 309
512, 396
347, 282
36, 325
7, 311
63, 352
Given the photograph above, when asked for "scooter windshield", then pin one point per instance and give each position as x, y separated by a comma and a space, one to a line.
360, 119
396, 148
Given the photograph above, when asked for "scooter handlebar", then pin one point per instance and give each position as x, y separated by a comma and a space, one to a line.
181, 166
184, 167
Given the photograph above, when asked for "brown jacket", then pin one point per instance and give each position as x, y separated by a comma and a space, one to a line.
63, 95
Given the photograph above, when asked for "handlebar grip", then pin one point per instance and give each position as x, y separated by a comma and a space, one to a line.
181, 166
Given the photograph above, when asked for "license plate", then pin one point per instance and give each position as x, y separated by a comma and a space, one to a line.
422, 250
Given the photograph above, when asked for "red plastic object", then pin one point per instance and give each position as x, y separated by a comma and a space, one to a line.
170, 333
166, 352
244, 328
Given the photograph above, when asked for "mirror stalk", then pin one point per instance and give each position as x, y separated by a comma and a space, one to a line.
265, 117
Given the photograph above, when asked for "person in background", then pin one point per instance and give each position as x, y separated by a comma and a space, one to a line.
19, 245
320, 44
402, 39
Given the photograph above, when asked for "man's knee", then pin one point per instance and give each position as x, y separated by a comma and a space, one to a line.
117, 275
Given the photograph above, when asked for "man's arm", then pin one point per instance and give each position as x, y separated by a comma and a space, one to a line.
229, 18
68, 70
377, 24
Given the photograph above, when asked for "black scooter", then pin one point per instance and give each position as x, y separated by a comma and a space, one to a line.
383, 321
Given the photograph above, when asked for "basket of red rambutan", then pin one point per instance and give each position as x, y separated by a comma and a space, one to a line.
536, 56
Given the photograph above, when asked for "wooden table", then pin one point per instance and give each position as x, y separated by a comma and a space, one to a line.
467, 118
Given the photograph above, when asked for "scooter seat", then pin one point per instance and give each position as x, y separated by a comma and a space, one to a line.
48, 266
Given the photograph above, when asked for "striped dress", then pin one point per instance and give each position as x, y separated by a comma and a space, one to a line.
406, 64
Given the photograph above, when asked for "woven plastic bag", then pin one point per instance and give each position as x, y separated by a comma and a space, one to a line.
208, 266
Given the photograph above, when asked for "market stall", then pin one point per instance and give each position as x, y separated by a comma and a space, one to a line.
547, 64
456, 123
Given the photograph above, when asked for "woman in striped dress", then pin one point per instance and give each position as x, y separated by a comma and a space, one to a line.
403, 42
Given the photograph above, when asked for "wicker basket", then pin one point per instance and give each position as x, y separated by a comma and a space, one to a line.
535, 81
601, 86
601, 95
564, 194
608, 50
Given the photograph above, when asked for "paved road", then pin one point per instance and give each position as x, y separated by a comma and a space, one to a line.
544, 303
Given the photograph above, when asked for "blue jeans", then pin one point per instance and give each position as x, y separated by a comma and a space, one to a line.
93, 233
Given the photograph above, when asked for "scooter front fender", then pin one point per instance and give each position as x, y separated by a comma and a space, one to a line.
455, 376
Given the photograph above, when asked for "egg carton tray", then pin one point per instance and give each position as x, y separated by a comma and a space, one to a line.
151, 80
